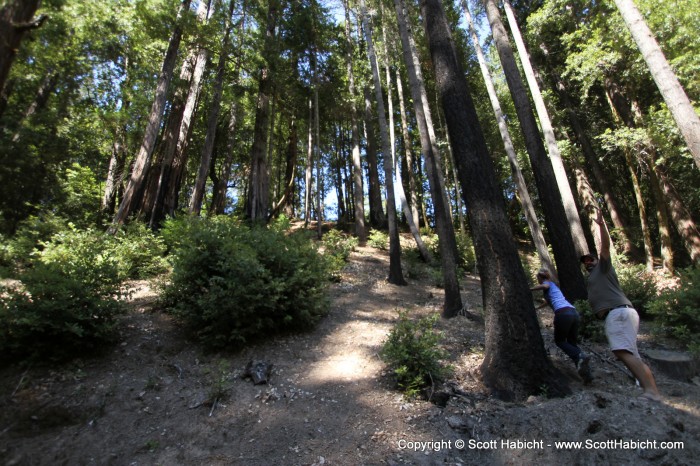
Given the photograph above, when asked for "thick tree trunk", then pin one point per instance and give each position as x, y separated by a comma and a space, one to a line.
445, 229
676, 99
292, 154
143, 159
639, 196
395, 272
662, 219
568, 266
516, 363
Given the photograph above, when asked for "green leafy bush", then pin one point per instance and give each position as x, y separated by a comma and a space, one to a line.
231, 284
17, 251
378, 239
412, 352
465, 249
638, 284
466, 257
139, 252
65, 303
337, 248
591, 327
677, 311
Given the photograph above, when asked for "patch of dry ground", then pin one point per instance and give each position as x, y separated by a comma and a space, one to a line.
157, 399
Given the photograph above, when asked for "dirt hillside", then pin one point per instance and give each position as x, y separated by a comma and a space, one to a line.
157, 399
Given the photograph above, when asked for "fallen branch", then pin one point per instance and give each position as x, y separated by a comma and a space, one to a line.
213, 406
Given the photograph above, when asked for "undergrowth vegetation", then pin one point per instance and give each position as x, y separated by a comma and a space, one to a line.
232, 284
413, 353
676, 311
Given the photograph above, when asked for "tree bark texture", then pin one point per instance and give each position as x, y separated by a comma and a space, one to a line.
257, 199
143, 159
567, 196
520, 184
516, 364
568, 266
443, 225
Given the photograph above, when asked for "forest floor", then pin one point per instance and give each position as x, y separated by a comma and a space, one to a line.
158, 399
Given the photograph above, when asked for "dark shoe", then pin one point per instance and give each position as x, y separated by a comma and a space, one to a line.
584, 368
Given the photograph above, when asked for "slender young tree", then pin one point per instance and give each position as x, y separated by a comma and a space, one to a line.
413, 226
521, 185
214, 109
567, 196
673, 93
568, 266
395, 271
358, 201
443, 224
516, 363
408, 152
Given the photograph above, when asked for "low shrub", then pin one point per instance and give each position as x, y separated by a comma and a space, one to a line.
17, 251
67, 302
413, 354
638, 284
231, 284
139, 252
378, 240
676, 311
591, 327
337, 249
466, 257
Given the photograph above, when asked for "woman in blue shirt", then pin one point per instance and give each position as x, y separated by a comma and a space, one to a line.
566, 323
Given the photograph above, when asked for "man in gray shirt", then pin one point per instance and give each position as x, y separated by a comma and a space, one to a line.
621, 319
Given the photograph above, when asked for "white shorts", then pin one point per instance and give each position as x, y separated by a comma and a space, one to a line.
621, 326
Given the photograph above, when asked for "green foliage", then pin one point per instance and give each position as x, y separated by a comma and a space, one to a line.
231, 283
337, 249
378, 239
677, 311
67, 302
412, 352
466, 257
638, 284
139, 252
465, 249
80, 194
219, 381
135, 251
591, 327
17, 251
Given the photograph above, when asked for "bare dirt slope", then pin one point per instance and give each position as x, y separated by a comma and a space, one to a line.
157, 399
